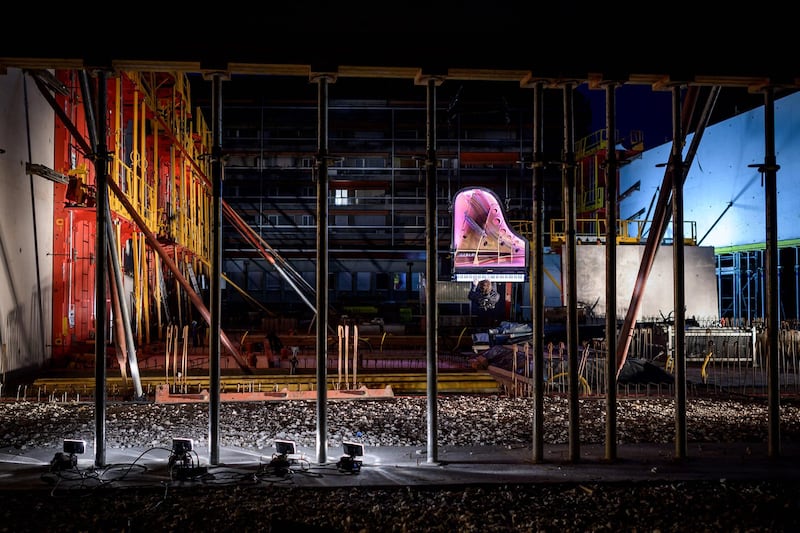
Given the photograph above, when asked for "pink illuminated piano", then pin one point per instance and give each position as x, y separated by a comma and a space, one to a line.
484, 245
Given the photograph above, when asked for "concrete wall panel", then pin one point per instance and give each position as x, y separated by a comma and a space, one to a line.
700, 281
26, 233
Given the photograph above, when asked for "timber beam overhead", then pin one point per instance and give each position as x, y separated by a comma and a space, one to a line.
661, 80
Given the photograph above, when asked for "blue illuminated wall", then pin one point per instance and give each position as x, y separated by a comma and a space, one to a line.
721, 174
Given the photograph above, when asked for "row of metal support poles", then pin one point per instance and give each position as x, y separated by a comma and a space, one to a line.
671, 194
673, 184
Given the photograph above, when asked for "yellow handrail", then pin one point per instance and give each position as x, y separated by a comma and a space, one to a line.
591, 230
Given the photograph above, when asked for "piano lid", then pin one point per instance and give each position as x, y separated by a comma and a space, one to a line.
483, 241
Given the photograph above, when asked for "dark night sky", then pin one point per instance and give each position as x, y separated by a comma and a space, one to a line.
641, 108
638, 108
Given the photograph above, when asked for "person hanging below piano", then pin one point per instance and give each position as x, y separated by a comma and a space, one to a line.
484, 294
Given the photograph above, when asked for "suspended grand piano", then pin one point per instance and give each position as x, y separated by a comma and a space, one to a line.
484, 245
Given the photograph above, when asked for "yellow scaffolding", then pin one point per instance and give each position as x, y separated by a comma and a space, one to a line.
158, 163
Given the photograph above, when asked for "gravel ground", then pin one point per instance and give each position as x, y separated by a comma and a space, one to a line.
264, 503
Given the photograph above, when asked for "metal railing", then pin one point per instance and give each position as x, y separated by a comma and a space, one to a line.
629, 231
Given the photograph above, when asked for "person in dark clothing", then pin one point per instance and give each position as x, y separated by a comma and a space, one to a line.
484, 294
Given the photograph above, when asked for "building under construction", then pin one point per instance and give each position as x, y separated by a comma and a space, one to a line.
157, 203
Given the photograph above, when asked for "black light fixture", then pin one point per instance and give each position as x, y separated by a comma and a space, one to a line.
182, 446
352, 459
183, 462
353, 449
181, 452
285, 447
68, 457
74, 446
285, 454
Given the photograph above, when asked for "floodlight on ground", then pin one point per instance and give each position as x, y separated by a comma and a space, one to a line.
74, 446
353, 449
181, 446
285, 447
181, 461
351, 461
68, 458
181, 452
285, 454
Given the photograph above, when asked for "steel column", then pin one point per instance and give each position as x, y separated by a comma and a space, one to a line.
569, 260
323, 158
612, 167
101, 181
215, 282
536, 273
770, 172
679, 298
431, 263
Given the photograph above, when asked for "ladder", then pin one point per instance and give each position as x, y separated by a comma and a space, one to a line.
192, 278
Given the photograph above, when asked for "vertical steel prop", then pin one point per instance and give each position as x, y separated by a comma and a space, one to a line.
770, 173
536, 272
431, 269
679, 298
569, 207
215, 315
323, 159
101, 252
612, 166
